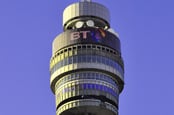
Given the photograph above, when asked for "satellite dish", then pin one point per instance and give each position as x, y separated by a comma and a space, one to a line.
90, 23
79, 24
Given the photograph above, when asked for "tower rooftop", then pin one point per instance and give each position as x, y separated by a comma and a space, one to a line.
85, 8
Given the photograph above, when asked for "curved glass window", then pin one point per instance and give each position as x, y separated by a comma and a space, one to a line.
89, 49
86, 76
87, 86
87, 59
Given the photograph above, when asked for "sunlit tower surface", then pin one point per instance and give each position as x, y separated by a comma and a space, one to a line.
86, 67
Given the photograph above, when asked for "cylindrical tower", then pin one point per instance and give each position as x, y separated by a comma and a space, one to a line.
86, 67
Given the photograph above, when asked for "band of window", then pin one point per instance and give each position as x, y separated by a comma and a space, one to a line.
88, 49
87, 59
86, 89
88, 102
87, 75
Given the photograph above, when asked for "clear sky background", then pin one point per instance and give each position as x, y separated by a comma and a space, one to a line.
28, 27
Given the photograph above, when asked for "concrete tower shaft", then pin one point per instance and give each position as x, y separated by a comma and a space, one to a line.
86, 67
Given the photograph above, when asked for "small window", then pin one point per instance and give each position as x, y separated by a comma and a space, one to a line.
107, 50
84, 47
65, 50
87, 58
84, 59
111, 51
107, 61
74, 48
59, 64
93, 47
103, 60
97, 76
79, 47
98, 47
61, 52
79, 60
69, 49
70, 60
84, 75
92, 75
74, 59
65, 61
99, 59
80, 75
93, 59
73, 76
84, 86
88, 46
112, 63
93, 86
88, 74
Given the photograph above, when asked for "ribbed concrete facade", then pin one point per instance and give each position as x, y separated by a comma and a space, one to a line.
86, 67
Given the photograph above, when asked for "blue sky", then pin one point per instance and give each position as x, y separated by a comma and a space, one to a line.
27, 29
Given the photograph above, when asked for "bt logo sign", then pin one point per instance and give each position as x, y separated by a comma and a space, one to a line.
96, 34
80, 34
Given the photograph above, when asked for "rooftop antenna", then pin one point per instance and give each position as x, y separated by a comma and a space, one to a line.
86, 0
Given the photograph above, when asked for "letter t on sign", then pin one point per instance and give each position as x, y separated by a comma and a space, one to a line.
84, 34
